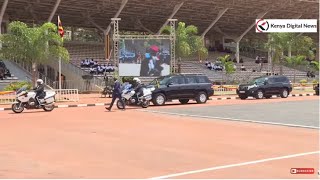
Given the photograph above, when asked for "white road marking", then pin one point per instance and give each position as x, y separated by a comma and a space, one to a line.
234, 165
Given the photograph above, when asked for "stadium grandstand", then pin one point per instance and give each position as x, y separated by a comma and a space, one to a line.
226, 25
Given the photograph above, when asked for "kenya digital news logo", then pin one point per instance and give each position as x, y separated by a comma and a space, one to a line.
262, 25
302, 171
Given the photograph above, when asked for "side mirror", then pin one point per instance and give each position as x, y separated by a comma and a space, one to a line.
169, 84
265, 82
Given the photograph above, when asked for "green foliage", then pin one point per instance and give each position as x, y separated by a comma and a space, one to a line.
32, 44
187, 41
303, 81
315, 81
295, 61
228, 65
17, 85
315, 65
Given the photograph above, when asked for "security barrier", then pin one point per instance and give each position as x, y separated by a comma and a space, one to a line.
7, 97
67, 95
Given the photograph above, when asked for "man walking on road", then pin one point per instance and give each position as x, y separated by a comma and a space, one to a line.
116, 94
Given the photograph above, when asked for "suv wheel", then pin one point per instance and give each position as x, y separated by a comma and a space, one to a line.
243, 97
184, 101
159, 99
259, 94
201, 97
284, 93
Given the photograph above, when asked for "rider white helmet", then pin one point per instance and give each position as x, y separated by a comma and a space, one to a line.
39, 81
137, 80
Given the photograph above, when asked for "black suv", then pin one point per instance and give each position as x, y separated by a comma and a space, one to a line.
316, 89
183, 87
265, 86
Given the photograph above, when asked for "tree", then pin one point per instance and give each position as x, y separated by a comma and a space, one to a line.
315, 65
227, 64
187, 41
295, 61
290, 43
33, 45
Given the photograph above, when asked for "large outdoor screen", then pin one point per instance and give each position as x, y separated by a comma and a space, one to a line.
147, 57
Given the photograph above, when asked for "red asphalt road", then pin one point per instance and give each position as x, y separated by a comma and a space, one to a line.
92, 143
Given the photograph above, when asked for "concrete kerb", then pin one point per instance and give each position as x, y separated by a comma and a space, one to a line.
106, 104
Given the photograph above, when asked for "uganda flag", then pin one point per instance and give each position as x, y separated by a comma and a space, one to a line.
60, 28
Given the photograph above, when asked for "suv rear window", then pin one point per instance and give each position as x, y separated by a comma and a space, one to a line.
190, 80
202, 79
281, 79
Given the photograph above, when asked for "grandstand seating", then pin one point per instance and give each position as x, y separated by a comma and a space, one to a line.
81, 51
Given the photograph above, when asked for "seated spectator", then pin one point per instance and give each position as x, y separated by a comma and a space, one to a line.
243, 68
95, 64
234, 60
234, 67
258, 59
93, 70
100, 69
241, 60
91, 62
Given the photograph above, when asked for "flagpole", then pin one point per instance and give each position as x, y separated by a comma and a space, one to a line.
60, 80
60, 74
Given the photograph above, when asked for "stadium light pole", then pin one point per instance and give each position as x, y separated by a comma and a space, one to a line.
175, 10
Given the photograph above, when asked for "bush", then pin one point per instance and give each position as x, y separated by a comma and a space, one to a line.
303, 82
17, 85
315, 81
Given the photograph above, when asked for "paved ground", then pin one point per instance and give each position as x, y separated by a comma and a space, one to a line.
92, 143
305, 113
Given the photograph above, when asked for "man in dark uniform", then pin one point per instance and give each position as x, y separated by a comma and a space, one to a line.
116, 94
39, 90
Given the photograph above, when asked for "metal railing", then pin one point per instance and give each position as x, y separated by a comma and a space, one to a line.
7, 97
64, 95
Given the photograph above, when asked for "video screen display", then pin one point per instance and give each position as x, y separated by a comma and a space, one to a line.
150, 57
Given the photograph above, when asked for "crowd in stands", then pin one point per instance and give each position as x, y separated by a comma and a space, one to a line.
96, 68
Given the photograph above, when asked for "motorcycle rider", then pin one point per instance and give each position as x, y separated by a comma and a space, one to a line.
138, 87
39, 90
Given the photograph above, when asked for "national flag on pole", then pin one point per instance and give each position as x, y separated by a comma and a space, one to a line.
60, 28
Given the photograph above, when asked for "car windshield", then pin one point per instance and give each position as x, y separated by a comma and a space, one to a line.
23, 88
160, 81
258, 80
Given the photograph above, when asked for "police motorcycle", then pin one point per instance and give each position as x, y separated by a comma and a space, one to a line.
27, 100
130, 97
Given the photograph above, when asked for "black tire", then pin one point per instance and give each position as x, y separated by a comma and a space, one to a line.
202, 97
119, 104
183, 101
159, 99
284, 93
145, 104
267, 96
243, 97
259, 94
15, 109
48, 108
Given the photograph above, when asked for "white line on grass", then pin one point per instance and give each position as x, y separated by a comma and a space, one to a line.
234, 165
233, 119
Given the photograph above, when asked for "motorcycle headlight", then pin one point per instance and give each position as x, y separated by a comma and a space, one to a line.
152, 89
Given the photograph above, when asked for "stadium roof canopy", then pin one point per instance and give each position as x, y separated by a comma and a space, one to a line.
149, 15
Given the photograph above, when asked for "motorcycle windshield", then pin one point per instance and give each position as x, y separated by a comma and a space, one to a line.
23, 88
